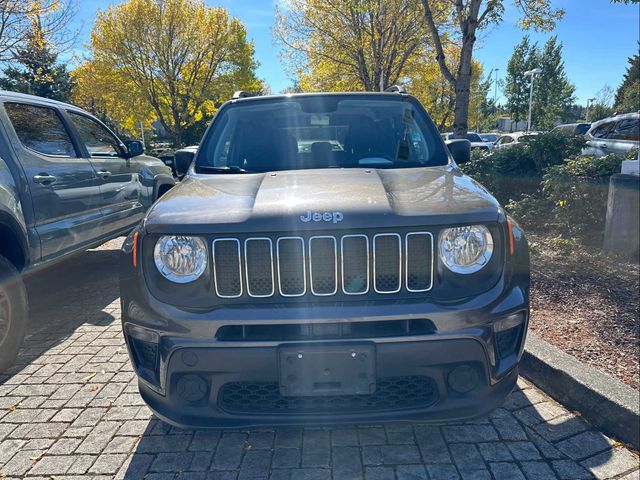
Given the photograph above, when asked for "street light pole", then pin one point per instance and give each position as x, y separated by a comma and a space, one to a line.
495, 92
532, 74
589, 100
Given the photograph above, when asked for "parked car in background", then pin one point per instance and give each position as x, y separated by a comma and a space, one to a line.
489, 137
67, 183
476, 141
572, 128
510, 140
617, 134
364, 278
164, 151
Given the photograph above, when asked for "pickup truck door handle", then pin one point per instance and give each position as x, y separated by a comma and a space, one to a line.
104, 174
44, 179
602, 145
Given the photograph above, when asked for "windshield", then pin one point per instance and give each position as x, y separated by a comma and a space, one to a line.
489, 137
473, 137
320, 132
582, 128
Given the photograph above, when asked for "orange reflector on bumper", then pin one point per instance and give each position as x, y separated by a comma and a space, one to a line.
512, 243
135, 248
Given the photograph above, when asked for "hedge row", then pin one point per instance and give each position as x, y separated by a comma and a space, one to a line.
549, 184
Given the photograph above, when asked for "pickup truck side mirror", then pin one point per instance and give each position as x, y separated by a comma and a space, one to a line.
182, 161
460, 149
134, 148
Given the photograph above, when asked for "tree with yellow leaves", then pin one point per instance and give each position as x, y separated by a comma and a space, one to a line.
436, 93
171, 60
351, 44
458, 21
17, 18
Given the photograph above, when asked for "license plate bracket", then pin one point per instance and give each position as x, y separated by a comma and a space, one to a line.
327, 370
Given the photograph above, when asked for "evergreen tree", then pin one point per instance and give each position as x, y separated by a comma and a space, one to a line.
524, 57
552, 91
628, 95
34, 69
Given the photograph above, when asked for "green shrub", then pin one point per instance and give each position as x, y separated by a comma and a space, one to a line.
577, 191
513, 172
552, 148
532, 210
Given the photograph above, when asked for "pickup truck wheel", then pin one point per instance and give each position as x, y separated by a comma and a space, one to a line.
13, 313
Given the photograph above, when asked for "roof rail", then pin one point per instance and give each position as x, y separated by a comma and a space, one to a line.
396, 89
242, 94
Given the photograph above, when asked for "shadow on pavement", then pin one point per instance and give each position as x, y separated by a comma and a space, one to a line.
528, 437
66, 295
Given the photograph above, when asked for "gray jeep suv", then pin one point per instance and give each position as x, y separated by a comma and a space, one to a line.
324, 260
67, 183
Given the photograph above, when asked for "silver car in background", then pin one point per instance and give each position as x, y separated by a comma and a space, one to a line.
617, 134
509, 140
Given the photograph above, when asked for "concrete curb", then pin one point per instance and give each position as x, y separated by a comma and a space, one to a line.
605, 402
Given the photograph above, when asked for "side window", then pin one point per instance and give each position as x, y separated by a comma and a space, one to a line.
506, 139
627, 130
40, 129
603, 130
98, 140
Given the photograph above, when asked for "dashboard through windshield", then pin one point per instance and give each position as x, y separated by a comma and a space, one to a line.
313, 132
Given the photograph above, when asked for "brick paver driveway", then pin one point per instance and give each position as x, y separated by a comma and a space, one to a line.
70, 409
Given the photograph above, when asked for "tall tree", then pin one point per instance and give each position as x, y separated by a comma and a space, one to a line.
460, 20
628, 94
35, 69
524, 58
428, 84
16, 20
553, 93
181, 58
350, 44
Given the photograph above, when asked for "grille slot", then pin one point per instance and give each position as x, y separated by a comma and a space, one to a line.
392, 393
226, 267
258, 257
355, 264
323, 265
292, 277
418, 261
387, 258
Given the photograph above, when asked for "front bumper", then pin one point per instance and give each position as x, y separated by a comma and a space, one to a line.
192, 376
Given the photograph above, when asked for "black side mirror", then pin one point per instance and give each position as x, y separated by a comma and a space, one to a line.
134, 148
460, 149
182, 161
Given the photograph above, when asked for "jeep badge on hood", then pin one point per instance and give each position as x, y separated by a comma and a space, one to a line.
334, 217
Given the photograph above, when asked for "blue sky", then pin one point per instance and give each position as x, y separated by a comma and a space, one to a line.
598, 37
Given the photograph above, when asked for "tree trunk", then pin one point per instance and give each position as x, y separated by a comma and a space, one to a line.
461, 111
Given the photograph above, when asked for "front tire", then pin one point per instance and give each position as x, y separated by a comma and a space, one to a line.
13, 313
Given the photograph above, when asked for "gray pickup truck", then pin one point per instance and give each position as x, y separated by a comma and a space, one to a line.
67, 183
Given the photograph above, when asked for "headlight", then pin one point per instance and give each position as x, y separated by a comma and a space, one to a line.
180, 259
465, 249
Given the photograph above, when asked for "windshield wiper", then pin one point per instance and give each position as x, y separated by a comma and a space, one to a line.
225, 169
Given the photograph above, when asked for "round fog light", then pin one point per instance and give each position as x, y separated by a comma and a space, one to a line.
192, 388
463, 379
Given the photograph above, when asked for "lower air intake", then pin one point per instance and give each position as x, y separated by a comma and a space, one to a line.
392, 393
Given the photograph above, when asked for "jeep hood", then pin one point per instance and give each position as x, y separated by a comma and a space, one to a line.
341, 199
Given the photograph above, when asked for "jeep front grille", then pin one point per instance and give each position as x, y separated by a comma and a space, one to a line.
323, 265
